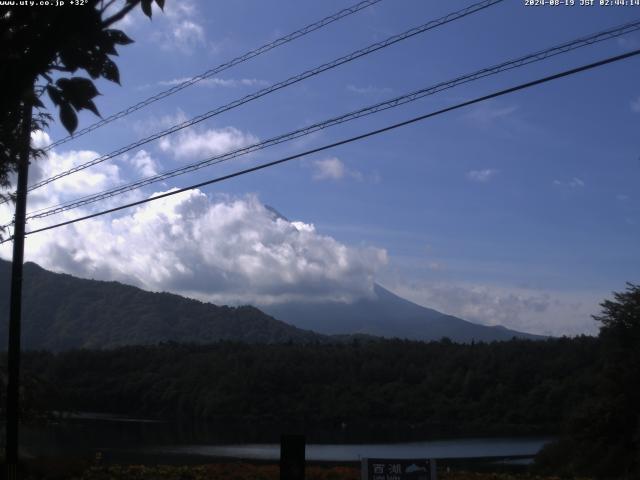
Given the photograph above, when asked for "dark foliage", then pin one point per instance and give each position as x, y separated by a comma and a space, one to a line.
39, 47
36, 396
63, 312
603, 434
503, 387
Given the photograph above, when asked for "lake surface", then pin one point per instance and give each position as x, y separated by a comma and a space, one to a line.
139, 440
460, 448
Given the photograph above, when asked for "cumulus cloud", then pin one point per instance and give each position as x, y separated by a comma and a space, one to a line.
481, 175
181, 30
533, 311
224, 250
329, 168
333, 168
102, 176
188, 34
96, 178
99, 177
40, 139
144, 164
193, 144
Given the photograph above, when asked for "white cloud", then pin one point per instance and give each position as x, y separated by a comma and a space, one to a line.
99, 177
333, 168
90, 180
304, 227
144, 164
635, 105
481, 175
369, 90
180, 10
527, 310
226, 251
181, 30
329, 168
488, 113
574, 182
217, 82
40, 139
187, 34
194, 144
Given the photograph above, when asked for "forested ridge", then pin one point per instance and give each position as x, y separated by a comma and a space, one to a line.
517, 386
64, 312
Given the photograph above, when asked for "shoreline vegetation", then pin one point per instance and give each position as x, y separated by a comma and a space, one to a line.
402, 390
244, 470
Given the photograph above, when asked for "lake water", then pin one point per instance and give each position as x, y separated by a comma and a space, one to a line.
459, 448
138, 440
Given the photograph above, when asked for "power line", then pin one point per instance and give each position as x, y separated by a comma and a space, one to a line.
500, 93
224, 66
285, 83
381, 106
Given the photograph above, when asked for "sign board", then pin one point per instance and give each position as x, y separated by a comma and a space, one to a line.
398, 469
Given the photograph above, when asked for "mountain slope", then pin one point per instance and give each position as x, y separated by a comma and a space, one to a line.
387, 315
62, 312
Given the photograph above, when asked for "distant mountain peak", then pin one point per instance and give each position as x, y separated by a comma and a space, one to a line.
276, 214
388, 315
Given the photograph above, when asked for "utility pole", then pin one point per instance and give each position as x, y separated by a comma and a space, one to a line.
15, 310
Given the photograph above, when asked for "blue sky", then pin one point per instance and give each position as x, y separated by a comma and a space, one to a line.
521, 211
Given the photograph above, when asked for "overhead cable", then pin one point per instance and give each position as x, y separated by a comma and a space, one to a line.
500, 93
612, 32
476, 7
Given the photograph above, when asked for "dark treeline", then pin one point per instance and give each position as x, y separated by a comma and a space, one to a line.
503, 387
585, 389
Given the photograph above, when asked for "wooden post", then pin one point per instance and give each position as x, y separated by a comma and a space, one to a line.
15, 309
292, 459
